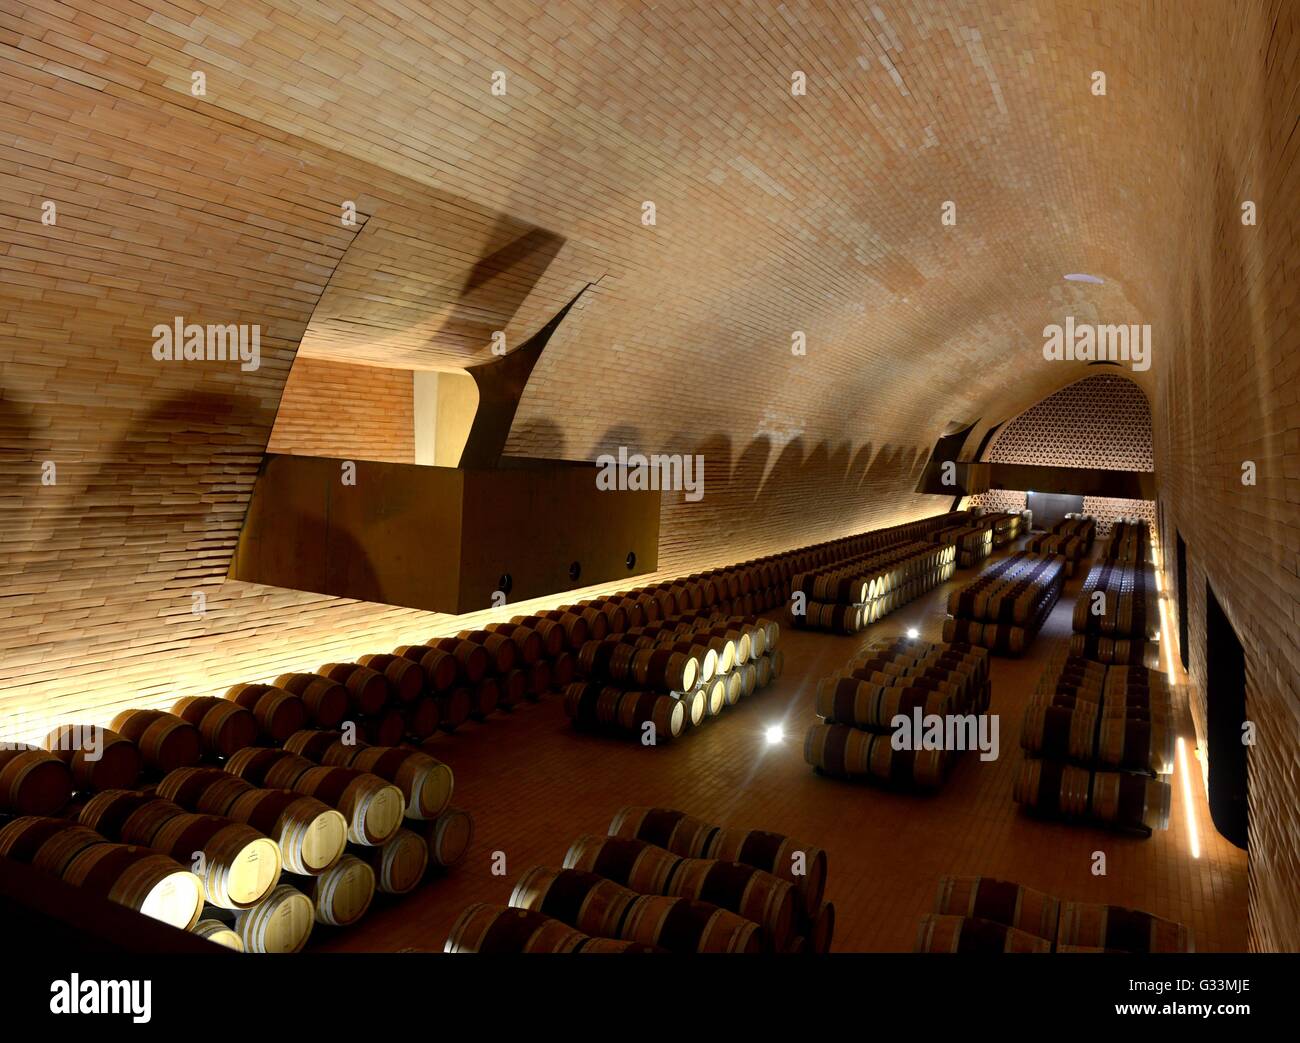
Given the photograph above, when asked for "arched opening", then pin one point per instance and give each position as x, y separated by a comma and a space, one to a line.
1225, 715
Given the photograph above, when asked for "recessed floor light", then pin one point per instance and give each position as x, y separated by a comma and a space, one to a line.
775, 734
913, 633
1077, 277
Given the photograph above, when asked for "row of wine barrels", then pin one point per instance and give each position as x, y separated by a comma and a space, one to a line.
961, 934
238, 865
438, 667
803, 865
596, 706
141, 879
425, 782
1061, 733
311, 834
503, 929
1129, 801
1114, 650
325, 700
598, 906
1117, 929
32, 781
749, 892
846, 700
406, 677
846, 752
165, 741
373, 808
999, 901
97, 757
1130, 541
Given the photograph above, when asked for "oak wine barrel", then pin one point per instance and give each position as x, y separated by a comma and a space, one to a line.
342, 894
1000, 901
47, 843
962, 934
368, 690
449, 837
591, 903
311, 835
33, 782
219, 933
239, 866
324, 699
98, 758
278, 713
1124, 930
138, 878
685, 926
400, 864
280, 923
166, 742
501, 929
405, 677
633, 863
224, 726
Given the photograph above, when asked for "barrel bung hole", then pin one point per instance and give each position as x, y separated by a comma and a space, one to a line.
575, 570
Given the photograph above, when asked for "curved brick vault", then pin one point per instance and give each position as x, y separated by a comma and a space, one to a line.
774, 214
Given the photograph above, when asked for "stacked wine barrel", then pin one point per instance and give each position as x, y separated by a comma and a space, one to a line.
1130, 543
1099, 741
1117, 615
1007, 526
662, 881
905, 676
845, 597
1072, 538
1006, 605
656, 681
982, 915
973, 539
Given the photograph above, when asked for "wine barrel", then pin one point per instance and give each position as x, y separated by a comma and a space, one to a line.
46, 843
239, 867
512, 688
1052, 788
694, 704
674, 831
662, 668
484, 698
554, 638
616, 945
1136, 745
472, 661
368, 690
341, 895
801, 864
454, 708
405, 677
224, 726
501, 651
733, 686
591, 903
32, 781
502, 929
186, 786
386, 728
685, 926
166, 742
539, 679
138, 878
325, 700
422, 717
529, 646
633, 863
281, 922
715, 696
310, 833
636, 709
742, 889
1125, 930
264, 767
399, 865
1059, 732
1130, 801
219, 934
98, 758
373, 808
821, 929
449, 837
1000, 901
969, 935
107, 812
426, 783
440, 668
278, 713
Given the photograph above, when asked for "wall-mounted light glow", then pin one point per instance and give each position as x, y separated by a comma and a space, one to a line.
1079, 277
1187, 798
775, 734
913, 633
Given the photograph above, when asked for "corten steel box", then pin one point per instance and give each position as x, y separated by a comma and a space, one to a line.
441, 538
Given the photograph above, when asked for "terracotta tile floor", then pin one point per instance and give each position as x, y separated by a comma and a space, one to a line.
533, 784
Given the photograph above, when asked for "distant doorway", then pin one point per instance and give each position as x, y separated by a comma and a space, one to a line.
1050, 508
1182, 598
1225, 714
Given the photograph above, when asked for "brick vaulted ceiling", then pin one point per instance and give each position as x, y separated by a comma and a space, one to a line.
775, 214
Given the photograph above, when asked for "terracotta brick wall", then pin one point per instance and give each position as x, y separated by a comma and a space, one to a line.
346, 411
